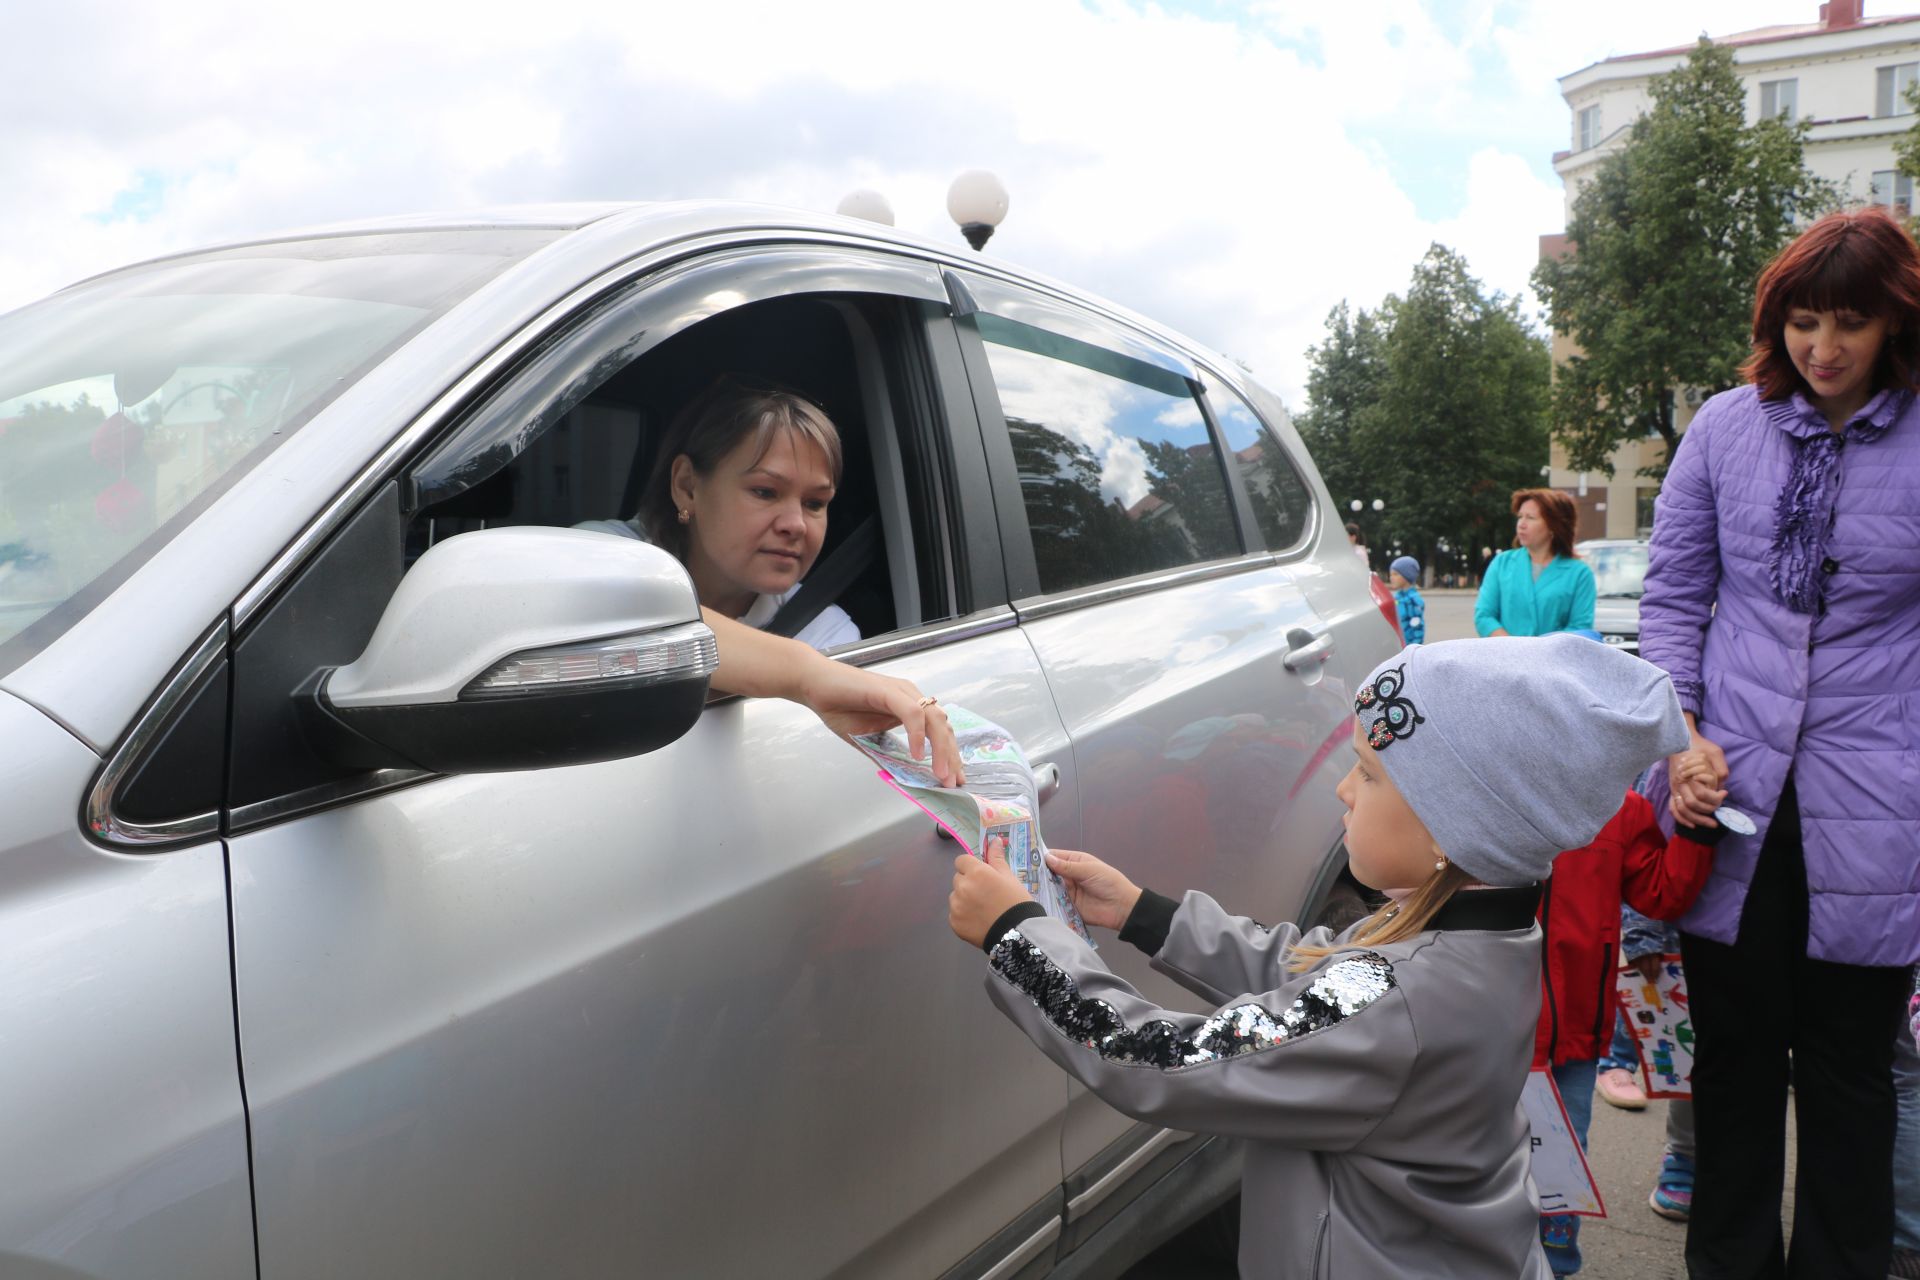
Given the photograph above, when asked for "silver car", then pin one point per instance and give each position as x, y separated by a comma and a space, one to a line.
381, 897
1619, 575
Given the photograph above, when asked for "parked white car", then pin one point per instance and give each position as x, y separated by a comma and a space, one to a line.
343, 932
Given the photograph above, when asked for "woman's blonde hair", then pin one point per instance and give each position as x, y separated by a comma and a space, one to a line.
1394, 922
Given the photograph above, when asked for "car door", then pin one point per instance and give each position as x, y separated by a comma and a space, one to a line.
124, 1152
693, 1013
1187, 662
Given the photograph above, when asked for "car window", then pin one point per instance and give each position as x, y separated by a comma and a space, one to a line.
1281, 500
1118, 471
1619, 571
128, 401
588, 462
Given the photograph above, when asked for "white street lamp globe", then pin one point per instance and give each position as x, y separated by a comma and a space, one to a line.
1378, 505
1355, 505
977, 200
867, 203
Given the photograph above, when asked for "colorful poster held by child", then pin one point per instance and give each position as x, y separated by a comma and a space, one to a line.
1001, 801
1559, 1165
1662, 1027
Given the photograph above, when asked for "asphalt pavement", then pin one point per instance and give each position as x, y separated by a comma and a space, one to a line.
1624, 1147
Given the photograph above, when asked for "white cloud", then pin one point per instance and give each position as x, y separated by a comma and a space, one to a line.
1232, 174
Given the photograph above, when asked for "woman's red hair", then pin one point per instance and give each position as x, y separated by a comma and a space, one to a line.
1862, 261
1557, 509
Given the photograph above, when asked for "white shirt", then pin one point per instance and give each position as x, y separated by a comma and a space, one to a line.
830, 628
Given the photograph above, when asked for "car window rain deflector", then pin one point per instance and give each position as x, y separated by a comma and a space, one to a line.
568, 369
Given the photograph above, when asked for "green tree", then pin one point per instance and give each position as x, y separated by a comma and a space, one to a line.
1462, 418
1435, 403
1665, 244
1346, 377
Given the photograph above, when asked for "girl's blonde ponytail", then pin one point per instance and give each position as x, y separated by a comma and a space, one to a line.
1393, 922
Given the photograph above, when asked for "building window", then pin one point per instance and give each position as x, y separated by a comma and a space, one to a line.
1890, 98
1589, 128
1893, 189
1780, 98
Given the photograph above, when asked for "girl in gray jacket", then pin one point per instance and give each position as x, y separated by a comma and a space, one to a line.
1377, 1074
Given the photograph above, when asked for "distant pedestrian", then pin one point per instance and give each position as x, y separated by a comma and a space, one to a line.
1783, 595
1358, 541
1540, 586
1404, 578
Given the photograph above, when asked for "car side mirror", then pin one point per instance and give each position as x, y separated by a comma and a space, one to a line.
522, 648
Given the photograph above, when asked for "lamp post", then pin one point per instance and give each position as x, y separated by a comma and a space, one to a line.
864, 202
977, 200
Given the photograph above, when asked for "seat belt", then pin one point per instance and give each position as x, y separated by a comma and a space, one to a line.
829, 580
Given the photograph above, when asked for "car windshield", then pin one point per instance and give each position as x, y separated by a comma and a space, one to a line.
128, 402
1618, 570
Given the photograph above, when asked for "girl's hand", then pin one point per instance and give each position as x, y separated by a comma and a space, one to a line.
852, 700
1697, 778
982, 892
1100, 894
1649, 967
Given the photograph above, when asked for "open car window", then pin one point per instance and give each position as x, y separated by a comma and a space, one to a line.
585, 451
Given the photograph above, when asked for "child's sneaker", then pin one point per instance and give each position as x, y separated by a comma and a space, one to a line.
1560, 1238
1672, 1196
1617, 1087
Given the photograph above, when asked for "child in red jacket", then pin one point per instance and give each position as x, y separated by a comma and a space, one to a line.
1630, 859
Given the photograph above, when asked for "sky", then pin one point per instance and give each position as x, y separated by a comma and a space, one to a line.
1233, 170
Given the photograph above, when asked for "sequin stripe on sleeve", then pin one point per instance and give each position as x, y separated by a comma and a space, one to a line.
1348, 986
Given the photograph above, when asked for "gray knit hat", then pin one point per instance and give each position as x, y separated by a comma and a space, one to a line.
1512, 749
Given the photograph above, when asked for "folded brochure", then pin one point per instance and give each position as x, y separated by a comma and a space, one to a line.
1000, 799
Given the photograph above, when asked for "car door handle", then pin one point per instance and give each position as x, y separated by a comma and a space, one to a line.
1305, 649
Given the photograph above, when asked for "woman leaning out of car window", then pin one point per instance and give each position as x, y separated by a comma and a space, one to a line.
740, 497
1540, 586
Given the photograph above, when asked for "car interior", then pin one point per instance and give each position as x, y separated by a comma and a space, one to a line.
844, 353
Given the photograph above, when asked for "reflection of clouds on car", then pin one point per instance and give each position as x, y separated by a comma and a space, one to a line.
1182, 415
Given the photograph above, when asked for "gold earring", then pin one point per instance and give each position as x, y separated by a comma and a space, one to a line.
686, 516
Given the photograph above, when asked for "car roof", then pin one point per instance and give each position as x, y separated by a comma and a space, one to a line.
625, 229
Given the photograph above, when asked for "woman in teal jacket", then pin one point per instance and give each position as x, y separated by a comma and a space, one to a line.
1539, 586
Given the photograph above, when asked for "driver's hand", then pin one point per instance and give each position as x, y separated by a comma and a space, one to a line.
852, 701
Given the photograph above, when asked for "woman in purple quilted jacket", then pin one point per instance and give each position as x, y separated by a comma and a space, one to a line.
1784, 600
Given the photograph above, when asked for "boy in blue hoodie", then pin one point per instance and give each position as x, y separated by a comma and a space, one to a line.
1401, 576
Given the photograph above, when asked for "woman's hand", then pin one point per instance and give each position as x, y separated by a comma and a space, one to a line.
852, 700
847, 699
1697, 777
1100, 894
982, 892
